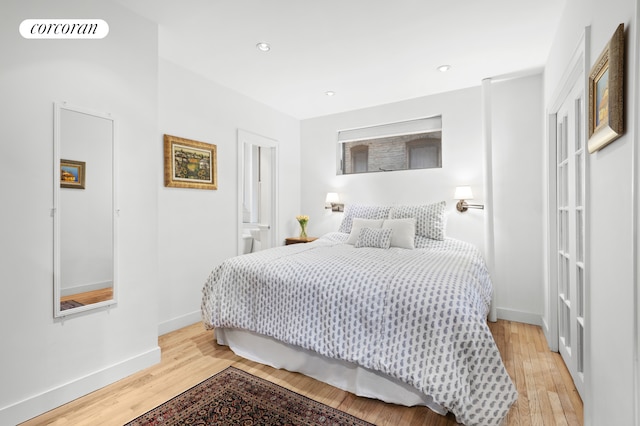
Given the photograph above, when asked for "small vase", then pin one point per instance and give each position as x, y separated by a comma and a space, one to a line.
303, 230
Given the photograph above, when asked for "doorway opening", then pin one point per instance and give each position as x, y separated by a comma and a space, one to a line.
257, 192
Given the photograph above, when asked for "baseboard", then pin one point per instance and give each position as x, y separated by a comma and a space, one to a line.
545, 328
553, 346
179, 322
85, 288
53, 398
519, 316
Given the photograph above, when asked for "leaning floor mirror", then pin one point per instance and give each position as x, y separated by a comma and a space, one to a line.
84, 211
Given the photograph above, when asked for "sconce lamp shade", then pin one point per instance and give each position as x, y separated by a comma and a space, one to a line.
463, 193
332, 197
333, 202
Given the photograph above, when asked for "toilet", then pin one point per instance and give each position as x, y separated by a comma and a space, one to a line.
255, 237
247, 243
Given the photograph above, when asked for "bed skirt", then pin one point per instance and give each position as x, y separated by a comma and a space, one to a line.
341, 374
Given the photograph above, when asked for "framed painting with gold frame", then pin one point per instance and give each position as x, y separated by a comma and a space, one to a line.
72, 174
189, 163
606, 94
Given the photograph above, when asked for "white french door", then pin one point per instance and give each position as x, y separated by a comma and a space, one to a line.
570, 231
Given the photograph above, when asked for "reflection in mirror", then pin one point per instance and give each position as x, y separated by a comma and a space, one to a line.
84, 210
404, 145
257, 176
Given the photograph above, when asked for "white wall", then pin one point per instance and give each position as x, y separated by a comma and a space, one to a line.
517, 161
610, 397
518, 132
461, 163
198, 229
46, 362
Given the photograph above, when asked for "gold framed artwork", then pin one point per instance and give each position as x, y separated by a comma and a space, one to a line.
189, 163
606, 94
72, 174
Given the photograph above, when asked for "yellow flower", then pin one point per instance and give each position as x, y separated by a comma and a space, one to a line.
302, 219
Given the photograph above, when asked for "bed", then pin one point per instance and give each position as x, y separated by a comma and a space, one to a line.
387, 307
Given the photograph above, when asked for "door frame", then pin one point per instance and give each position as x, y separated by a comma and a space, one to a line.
577, 66
258, 140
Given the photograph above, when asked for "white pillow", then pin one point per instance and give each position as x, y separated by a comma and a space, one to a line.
358, 224
404, 231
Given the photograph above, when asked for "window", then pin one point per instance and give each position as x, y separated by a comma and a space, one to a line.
359, 159
415, 144
424, 153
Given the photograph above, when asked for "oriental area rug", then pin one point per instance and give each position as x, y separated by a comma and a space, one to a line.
69, 304
235, 397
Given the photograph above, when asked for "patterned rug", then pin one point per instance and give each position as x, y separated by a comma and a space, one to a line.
235, 397
69, 304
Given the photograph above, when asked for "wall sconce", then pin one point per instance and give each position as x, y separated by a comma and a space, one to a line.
333, 202
464, 193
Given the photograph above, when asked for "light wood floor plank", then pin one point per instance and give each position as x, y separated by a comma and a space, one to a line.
563, 393
89, 297
569, 396
190, 355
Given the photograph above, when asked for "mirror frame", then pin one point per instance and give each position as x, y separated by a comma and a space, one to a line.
56, 211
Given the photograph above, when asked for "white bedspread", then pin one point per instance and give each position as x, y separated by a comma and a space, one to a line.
416, 315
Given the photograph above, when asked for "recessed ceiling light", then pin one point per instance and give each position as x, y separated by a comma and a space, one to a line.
444, 68
329, 93
263, 46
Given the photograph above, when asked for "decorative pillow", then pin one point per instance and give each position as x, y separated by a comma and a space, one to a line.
430, 218
376, 238
352, 211
357, 226
404, 232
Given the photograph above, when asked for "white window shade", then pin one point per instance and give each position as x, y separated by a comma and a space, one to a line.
409, 127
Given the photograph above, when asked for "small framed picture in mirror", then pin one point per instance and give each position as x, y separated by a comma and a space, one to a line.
72, 174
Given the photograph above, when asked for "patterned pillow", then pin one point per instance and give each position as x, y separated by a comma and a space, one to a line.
430, 218
374, 237
404, 232
358, 224
352, 211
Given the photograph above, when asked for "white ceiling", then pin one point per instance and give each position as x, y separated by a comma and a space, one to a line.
369, 52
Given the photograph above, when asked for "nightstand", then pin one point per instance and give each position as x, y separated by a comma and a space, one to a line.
298, 240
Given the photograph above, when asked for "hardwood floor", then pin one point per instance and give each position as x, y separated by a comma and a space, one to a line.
90, 297
190, 355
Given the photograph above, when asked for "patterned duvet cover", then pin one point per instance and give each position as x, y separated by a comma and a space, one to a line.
416, 315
